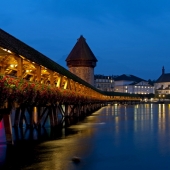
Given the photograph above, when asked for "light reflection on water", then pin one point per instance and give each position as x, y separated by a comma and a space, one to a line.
115, 137
2, 144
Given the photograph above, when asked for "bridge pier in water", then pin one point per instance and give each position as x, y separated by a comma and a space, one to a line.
8, 128
35, 117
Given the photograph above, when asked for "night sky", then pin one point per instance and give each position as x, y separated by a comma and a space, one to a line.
126, 36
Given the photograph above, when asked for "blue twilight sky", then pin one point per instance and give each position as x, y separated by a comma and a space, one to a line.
126, 36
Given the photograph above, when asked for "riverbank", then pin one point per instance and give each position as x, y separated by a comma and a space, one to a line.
155, 102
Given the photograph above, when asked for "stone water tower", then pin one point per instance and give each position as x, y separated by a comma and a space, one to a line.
81, 61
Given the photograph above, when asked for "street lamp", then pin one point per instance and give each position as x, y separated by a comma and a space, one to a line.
163, 96
159, 97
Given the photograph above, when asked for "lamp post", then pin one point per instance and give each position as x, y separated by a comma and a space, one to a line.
163, 96
159, 97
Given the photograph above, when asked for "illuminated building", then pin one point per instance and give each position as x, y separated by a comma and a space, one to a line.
162, 84
132, 84
104, 83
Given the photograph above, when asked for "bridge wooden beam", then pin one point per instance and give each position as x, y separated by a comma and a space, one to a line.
59, 82
2, 70
19, 67
65, 82
38, 73
8, 127
73, 86
68, 84
51, 78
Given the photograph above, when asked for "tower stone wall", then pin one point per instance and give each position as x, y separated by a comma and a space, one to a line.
85, 73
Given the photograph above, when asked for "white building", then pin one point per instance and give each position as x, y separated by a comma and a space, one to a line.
162, 84
104, 83
132, 84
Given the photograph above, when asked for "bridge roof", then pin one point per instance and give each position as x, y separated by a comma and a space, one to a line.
18, 47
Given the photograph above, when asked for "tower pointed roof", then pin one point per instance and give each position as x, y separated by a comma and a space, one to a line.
81, 52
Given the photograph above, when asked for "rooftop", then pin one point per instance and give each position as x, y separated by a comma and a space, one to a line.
128, 77
81, 51
163, 78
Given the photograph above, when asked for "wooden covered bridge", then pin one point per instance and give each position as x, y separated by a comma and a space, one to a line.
33, 83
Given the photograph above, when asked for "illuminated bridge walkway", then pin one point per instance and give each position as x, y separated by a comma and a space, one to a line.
33, 84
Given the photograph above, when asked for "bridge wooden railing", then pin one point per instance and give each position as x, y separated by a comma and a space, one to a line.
20, 91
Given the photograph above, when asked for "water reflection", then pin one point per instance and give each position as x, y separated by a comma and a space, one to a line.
115, 137
2, 144
2, 153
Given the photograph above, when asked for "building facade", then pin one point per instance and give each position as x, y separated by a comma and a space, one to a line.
162, 84
104, 83
132, 84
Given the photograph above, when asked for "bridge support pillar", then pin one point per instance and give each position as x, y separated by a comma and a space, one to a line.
55, 115
78, 112
8, 128
34, 119
31, 111
84, 110
17, 115
51, 115
66, 110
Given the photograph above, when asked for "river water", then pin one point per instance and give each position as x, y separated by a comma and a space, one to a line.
115, 137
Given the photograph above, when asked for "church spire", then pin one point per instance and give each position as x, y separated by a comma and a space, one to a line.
163, 70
